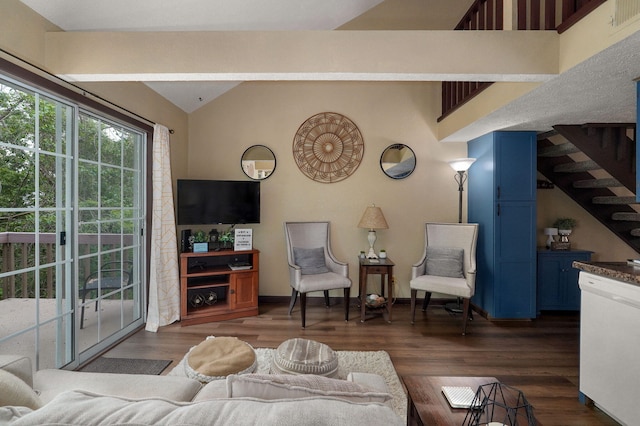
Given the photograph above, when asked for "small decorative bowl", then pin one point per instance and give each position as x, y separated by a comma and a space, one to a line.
375, 301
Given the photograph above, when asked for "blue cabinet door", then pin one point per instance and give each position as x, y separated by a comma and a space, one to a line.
557, 281
501, 198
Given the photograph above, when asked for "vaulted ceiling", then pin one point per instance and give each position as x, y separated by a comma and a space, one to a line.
601, 89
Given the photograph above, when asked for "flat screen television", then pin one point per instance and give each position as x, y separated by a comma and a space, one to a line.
209, 202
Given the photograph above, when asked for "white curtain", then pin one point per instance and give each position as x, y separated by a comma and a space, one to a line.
164, 282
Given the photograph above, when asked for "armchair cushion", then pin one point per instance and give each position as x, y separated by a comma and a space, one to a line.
310, 260
445, 262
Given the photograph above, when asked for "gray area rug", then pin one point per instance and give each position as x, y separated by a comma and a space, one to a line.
126, 366
377, 362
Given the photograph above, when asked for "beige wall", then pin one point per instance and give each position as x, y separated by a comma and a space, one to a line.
385, 113
209, 142
23, 35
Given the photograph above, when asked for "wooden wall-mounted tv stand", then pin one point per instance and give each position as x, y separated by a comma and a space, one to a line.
211, 290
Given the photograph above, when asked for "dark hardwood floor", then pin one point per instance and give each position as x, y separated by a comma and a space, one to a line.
539, 357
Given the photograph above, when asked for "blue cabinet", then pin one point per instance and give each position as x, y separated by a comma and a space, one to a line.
558, 288
502, 199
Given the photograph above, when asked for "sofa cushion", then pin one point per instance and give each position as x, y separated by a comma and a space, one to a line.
52, 382
217, 357
310, 260
87, 409
284, 386
18, 365
445, 262
16, 392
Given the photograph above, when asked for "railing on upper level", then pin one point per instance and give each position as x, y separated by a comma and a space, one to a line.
534, 15
18, 251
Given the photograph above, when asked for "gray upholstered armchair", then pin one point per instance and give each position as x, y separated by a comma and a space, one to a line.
447, 266
312, 265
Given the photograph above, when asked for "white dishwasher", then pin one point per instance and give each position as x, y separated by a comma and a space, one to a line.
610, 346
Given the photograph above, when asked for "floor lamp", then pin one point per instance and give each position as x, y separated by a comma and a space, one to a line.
460, 165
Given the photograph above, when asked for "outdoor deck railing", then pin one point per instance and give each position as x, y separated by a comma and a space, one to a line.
18, 251
556, 15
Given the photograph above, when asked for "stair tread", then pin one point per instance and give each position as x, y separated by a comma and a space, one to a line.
614, 200
597, 183
576, 167
627, 216
558, 150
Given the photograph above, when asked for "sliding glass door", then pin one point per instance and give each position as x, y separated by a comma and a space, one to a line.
71, 204
110, 224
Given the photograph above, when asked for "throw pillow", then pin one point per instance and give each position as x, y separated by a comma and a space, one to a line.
310, 260
15, 392
285, 386
445, 262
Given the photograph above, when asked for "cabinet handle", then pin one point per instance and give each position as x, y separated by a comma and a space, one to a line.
498, 211
232, 291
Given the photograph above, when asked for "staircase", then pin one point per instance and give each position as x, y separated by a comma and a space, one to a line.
595, 164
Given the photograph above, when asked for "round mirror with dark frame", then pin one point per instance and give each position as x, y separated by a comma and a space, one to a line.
258, 162
398, 161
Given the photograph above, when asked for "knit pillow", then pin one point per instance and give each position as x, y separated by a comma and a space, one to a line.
310, 260
445, 262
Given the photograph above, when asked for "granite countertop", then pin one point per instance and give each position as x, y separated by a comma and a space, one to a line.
620, 271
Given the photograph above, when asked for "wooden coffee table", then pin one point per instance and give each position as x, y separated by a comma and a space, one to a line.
427, 404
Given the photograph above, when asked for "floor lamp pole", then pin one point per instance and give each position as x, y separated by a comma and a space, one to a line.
461, 178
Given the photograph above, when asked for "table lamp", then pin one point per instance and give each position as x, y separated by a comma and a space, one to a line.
373, 219
550, 233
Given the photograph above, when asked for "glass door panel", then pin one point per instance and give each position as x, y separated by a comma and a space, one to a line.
110, 218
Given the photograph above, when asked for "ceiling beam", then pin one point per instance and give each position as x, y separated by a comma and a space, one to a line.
522, 56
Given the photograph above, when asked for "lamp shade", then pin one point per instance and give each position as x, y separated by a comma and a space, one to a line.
550, 231
372, 218
461, 164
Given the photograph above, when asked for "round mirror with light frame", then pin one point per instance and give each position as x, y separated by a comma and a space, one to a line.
398, 161
258, 162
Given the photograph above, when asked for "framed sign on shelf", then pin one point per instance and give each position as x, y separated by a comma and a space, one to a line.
243, 239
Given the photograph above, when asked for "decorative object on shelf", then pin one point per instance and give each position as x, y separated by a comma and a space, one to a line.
461, 165
197, 300
499, 404
383, 254
227, 237
362, 254
373, 219
398, 161
375, 301
328, 147
258, 162
200, 242
243, 239
550, 233
211, 298
565, 226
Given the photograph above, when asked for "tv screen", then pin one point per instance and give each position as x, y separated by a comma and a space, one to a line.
208, 202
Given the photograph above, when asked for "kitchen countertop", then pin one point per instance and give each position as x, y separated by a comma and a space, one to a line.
620, 271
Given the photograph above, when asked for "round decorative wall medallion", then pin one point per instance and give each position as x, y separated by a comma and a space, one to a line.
328, 147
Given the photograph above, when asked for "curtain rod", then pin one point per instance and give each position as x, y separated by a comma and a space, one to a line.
77, 89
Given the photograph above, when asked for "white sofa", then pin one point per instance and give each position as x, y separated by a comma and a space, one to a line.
79, 398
